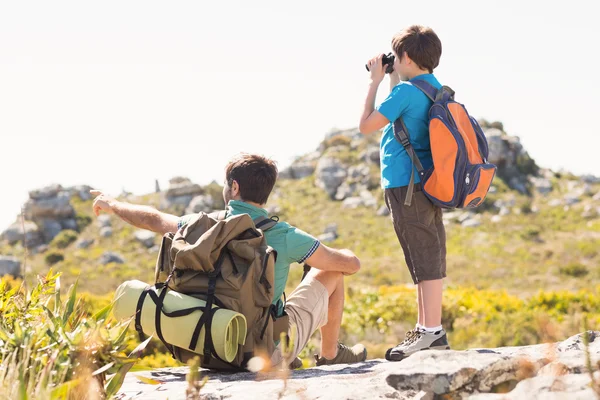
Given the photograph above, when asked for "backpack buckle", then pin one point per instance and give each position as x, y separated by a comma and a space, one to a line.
405, 141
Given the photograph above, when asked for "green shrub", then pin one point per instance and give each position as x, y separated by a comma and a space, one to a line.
83, 221
53, 349
574, 270
64, 239
338, 140
53, 257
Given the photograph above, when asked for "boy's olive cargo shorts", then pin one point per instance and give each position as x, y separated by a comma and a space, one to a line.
421, 233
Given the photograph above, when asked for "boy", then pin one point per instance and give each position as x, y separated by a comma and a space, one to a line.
419, 227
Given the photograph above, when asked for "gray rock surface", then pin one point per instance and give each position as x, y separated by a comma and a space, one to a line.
110, 257
514, 164
181, 191
50, 228
425, 375
106, 232
200, 203
103, 220
84, 243
383, 211
330, 174
15, 233
46, 192
145, 237
183, 187
57, 207
10, 266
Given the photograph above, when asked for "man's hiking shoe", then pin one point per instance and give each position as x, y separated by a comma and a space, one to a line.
296, 364
345, 355
417, 340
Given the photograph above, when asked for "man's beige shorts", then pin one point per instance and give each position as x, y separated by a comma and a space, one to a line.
307, 311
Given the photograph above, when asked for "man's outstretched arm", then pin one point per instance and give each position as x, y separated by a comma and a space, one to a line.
143, 217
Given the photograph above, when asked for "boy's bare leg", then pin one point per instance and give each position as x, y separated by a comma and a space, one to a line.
421, 310
431, 300
334, 282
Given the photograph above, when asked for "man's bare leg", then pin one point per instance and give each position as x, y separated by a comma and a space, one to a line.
330, 332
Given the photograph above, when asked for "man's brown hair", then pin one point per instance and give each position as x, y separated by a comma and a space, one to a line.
255, 174
421, 44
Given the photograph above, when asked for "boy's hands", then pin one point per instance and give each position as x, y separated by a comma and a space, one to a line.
102, 202
376, 69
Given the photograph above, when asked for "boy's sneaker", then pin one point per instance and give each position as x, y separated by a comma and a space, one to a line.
345, 355
417, 340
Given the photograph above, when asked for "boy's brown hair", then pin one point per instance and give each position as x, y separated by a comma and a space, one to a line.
421, 44
255, 174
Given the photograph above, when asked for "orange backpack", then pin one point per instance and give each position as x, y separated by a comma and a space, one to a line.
461, 175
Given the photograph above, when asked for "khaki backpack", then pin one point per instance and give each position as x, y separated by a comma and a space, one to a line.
227, 263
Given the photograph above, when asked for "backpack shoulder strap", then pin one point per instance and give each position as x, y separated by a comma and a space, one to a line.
401, 135
426, 87
445, 93
264, 223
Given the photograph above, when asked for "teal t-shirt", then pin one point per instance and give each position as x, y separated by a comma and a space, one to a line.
408, 102
290, 243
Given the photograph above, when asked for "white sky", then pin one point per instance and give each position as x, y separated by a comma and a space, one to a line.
116, 94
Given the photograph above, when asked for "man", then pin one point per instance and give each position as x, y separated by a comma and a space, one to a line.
317, 302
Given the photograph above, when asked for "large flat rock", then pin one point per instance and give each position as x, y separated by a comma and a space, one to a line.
542, 371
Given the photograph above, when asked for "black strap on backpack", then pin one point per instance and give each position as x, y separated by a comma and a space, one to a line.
401, 134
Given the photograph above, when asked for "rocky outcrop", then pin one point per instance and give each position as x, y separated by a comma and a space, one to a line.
146, 238
10, 266
51, 210
201, 203
23, 230
347, 163
111, 257
180, 193
529, 372
515, 166
47, 212
330, 174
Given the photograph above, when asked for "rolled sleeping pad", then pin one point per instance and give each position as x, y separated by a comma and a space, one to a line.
228, 328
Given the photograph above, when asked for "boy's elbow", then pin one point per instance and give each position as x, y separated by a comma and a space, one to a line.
362, 127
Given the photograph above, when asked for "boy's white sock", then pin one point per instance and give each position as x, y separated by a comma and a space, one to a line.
419, 327
432, 330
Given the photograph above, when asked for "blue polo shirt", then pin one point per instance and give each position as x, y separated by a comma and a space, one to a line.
290, 243
408, 102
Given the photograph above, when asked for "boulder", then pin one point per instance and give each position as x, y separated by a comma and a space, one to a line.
103, 220
327, 237
430, 374
542, 185
15, 233
106, 232
110, 257
84, 243
383, 211
145, 237
330, 174
46, 192
10, 266
57, 207
81, 191
50, 228
203, 202
298, 170
180, 186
